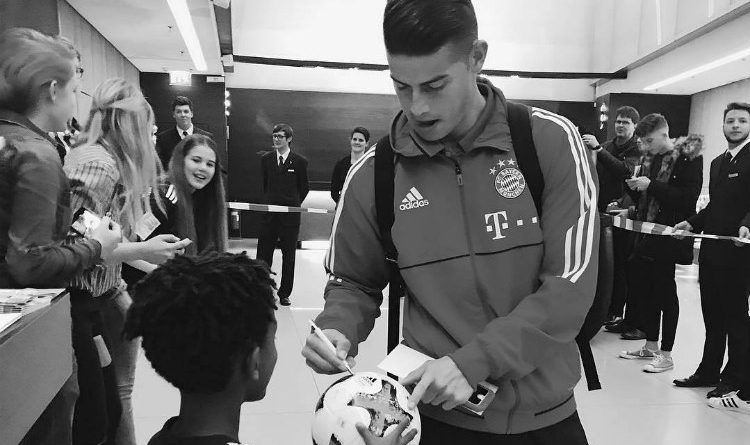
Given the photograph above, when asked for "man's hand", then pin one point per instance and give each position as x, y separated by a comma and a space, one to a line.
744, 234
162, 248
682, 226
394, 438
590, 141
321, 359
440, 382
640, 183
109, 235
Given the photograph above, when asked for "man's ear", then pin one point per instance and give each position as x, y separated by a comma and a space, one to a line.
477, 56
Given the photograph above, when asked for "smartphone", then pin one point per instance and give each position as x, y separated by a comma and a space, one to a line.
84, 221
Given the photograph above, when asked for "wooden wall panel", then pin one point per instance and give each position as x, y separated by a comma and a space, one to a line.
100, 59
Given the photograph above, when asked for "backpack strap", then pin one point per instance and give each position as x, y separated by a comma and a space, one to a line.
523, 146
384, 176
519, 122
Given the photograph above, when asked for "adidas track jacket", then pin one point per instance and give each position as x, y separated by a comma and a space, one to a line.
500, 290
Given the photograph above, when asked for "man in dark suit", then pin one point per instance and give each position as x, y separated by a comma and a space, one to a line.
723, 273
284, 183
182, 111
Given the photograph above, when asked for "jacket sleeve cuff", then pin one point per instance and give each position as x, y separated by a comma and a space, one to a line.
695, 222
472, 363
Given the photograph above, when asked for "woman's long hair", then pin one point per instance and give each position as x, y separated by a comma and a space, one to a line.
121, 121
209, 202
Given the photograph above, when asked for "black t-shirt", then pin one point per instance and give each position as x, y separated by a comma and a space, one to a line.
167, 225
166, 437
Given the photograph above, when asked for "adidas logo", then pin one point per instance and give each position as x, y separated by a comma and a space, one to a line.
413, 200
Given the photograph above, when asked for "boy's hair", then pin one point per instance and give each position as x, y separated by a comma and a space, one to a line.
737, 106
649, 124
363, 131
180, 101
198, 315
284, 128
421, 27
628, 112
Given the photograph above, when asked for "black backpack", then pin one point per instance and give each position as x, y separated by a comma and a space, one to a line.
528, 162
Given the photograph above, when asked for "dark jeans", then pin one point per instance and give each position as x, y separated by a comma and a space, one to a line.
97, 411
652, 284
568, 432
724, 295
621, 246
271, 234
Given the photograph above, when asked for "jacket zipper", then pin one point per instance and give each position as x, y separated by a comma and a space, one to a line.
514, 408
489, 313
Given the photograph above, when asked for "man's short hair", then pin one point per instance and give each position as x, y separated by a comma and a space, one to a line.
363, 131
628, 112
180, 101
198, 315
421, 27
649, 124
737, 106
284, 128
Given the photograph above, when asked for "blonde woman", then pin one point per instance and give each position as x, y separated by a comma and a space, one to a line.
112, 171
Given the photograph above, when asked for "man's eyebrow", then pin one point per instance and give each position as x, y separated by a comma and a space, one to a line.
427, 82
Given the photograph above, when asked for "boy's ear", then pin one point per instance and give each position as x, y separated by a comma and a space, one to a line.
252, 363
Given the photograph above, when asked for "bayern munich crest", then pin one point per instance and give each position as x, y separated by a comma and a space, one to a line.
510, 182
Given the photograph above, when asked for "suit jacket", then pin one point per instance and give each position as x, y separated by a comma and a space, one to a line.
728, 209
286, 185
167, 140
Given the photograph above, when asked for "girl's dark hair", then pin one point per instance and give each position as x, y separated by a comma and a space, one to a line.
206, 206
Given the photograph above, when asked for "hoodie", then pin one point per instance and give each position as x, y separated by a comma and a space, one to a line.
500, 290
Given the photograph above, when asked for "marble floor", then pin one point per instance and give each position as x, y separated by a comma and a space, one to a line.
633, 408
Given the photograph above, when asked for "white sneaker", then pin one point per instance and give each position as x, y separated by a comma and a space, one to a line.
730, 402
641, 354
660, 363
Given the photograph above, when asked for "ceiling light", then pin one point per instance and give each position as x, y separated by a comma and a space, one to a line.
701, 69
184, 21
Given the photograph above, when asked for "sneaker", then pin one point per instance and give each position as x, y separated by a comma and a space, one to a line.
730, 402
660, 363
642, 354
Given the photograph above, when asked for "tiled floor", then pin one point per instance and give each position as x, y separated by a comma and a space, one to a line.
633, 408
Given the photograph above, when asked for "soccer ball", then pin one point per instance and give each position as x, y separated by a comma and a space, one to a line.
375, 400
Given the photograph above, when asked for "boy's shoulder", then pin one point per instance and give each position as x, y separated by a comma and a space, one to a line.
167, 437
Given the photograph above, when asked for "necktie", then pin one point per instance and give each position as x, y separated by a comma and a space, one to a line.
184, 134
281, 161
729, 157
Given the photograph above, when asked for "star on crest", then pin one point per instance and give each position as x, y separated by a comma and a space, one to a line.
493, 171
501, 163
511, 162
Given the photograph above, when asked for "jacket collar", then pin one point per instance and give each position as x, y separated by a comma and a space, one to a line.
14, 118
490, 130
